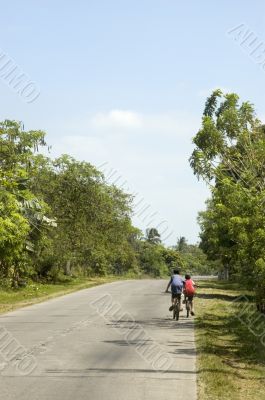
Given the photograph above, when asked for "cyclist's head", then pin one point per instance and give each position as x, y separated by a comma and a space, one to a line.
176, 272
187, 276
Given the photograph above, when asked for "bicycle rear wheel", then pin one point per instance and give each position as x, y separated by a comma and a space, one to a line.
177, 311
188, 309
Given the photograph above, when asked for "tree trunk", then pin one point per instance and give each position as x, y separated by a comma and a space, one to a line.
67, 268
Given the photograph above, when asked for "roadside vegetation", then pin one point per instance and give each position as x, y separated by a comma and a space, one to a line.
59, 219
229, 155
230, 339
35, 292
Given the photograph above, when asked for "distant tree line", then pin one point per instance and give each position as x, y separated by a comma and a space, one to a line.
194, 260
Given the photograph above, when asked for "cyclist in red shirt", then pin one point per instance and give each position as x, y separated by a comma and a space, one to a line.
189, 291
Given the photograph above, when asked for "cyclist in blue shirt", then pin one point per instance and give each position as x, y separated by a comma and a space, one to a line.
176, 282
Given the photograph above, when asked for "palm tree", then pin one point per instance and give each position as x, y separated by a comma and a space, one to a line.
152, 236
181, 243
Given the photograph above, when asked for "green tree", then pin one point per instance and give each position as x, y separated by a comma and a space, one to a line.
153, 236
94, 230
18, 222
229, 155
181, 243
151, 259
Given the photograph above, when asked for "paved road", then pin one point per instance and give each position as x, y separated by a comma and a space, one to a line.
115, 342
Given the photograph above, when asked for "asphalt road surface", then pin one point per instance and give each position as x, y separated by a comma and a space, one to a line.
113, 342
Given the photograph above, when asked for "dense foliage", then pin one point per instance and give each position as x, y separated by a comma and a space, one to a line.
229, 155
193, 260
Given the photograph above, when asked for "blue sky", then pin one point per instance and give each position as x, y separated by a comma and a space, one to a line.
123, 84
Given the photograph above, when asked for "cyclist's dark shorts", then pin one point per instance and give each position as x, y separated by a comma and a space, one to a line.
190, 298
176, 296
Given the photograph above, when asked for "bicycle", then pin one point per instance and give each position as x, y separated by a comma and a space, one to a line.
188, 303
176, 308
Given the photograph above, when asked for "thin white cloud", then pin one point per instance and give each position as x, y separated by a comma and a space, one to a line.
117, 119
130, 122
159, 144
150, 152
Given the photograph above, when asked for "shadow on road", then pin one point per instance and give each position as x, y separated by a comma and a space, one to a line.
164, 323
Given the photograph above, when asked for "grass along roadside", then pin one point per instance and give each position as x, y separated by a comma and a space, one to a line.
38, 292
230, 357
